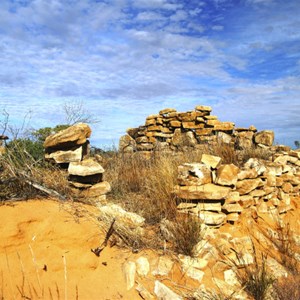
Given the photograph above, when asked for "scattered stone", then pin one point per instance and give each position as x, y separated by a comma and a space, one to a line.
129, 269
164, 266
142, 266
162, 292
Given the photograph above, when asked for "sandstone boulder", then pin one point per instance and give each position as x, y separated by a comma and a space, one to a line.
248, 185
86, 171
204, 192
70, 137
265, 137
211, 160
68, 156
194, 174
227, 175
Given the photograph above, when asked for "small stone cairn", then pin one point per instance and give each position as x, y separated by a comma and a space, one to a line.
171, 131
70, 149
218, 193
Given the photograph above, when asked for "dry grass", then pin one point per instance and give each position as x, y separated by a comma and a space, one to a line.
287, 288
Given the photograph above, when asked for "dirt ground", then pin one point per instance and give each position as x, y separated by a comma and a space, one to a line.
45, 253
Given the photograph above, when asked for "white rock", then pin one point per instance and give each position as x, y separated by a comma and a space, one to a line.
164, 266
162, 292
142, 266
129, 269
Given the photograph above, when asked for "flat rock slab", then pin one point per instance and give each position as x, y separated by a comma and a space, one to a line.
207, 191
86, 167
73, 135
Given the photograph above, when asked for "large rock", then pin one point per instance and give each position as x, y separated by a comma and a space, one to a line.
114, 211
94, 191
265, 137
68, 156
70, 137
211, 160
86, 167
194, 174
248, 185
204, 192
227, 175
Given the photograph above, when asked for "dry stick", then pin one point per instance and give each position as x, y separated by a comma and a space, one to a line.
110, 231
36, 267
66, 278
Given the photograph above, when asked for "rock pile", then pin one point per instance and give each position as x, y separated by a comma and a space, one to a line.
69, 145
172, 130
70, 148
219, 193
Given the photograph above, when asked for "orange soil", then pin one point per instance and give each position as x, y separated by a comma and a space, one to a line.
45, 253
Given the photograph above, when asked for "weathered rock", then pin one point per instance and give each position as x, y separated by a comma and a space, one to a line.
211, 218
129, 269
99, 189
247, 174
227, 175
224, 137
86, 167
72, 136
248, 185
207, 191
194, 174
144, 293
193, 266
68, 156
203, 108
255, 164
232, 208
114, 211
126, 141
224, 126
211, 160
162, 292
164, 266
167, 111
142, 266
265, 137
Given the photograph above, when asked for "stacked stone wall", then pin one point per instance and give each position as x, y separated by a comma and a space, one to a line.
171, 130
220, 193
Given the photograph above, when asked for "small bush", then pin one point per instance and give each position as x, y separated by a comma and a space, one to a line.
187, 234
255, 278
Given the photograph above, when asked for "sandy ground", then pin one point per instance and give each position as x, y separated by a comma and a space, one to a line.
45, 253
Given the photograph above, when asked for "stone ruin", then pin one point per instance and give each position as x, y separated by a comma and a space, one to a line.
171, 130
70, 148
218, 193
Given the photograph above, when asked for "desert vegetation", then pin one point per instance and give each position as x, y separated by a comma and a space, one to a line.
145, 187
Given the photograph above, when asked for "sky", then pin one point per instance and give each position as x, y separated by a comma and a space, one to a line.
125, 59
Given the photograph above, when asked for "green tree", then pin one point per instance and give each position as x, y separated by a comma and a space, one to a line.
297, 144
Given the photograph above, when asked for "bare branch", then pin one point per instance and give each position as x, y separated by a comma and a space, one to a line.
76, 112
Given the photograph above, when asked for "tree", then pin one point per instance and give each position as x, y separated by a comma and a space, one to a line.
297, 144
76, 113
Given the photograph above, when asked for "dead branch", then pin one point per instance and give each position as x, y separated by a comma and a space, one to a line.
109, 233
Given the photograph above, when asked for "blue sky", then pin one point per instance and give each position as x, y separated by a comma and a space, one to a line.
126, 59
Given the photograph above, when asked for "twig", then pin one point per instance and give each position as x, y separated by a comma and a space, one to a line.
110, 231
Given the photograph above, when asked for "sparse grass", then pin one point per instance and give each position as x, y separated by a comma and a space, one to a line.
187, 234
